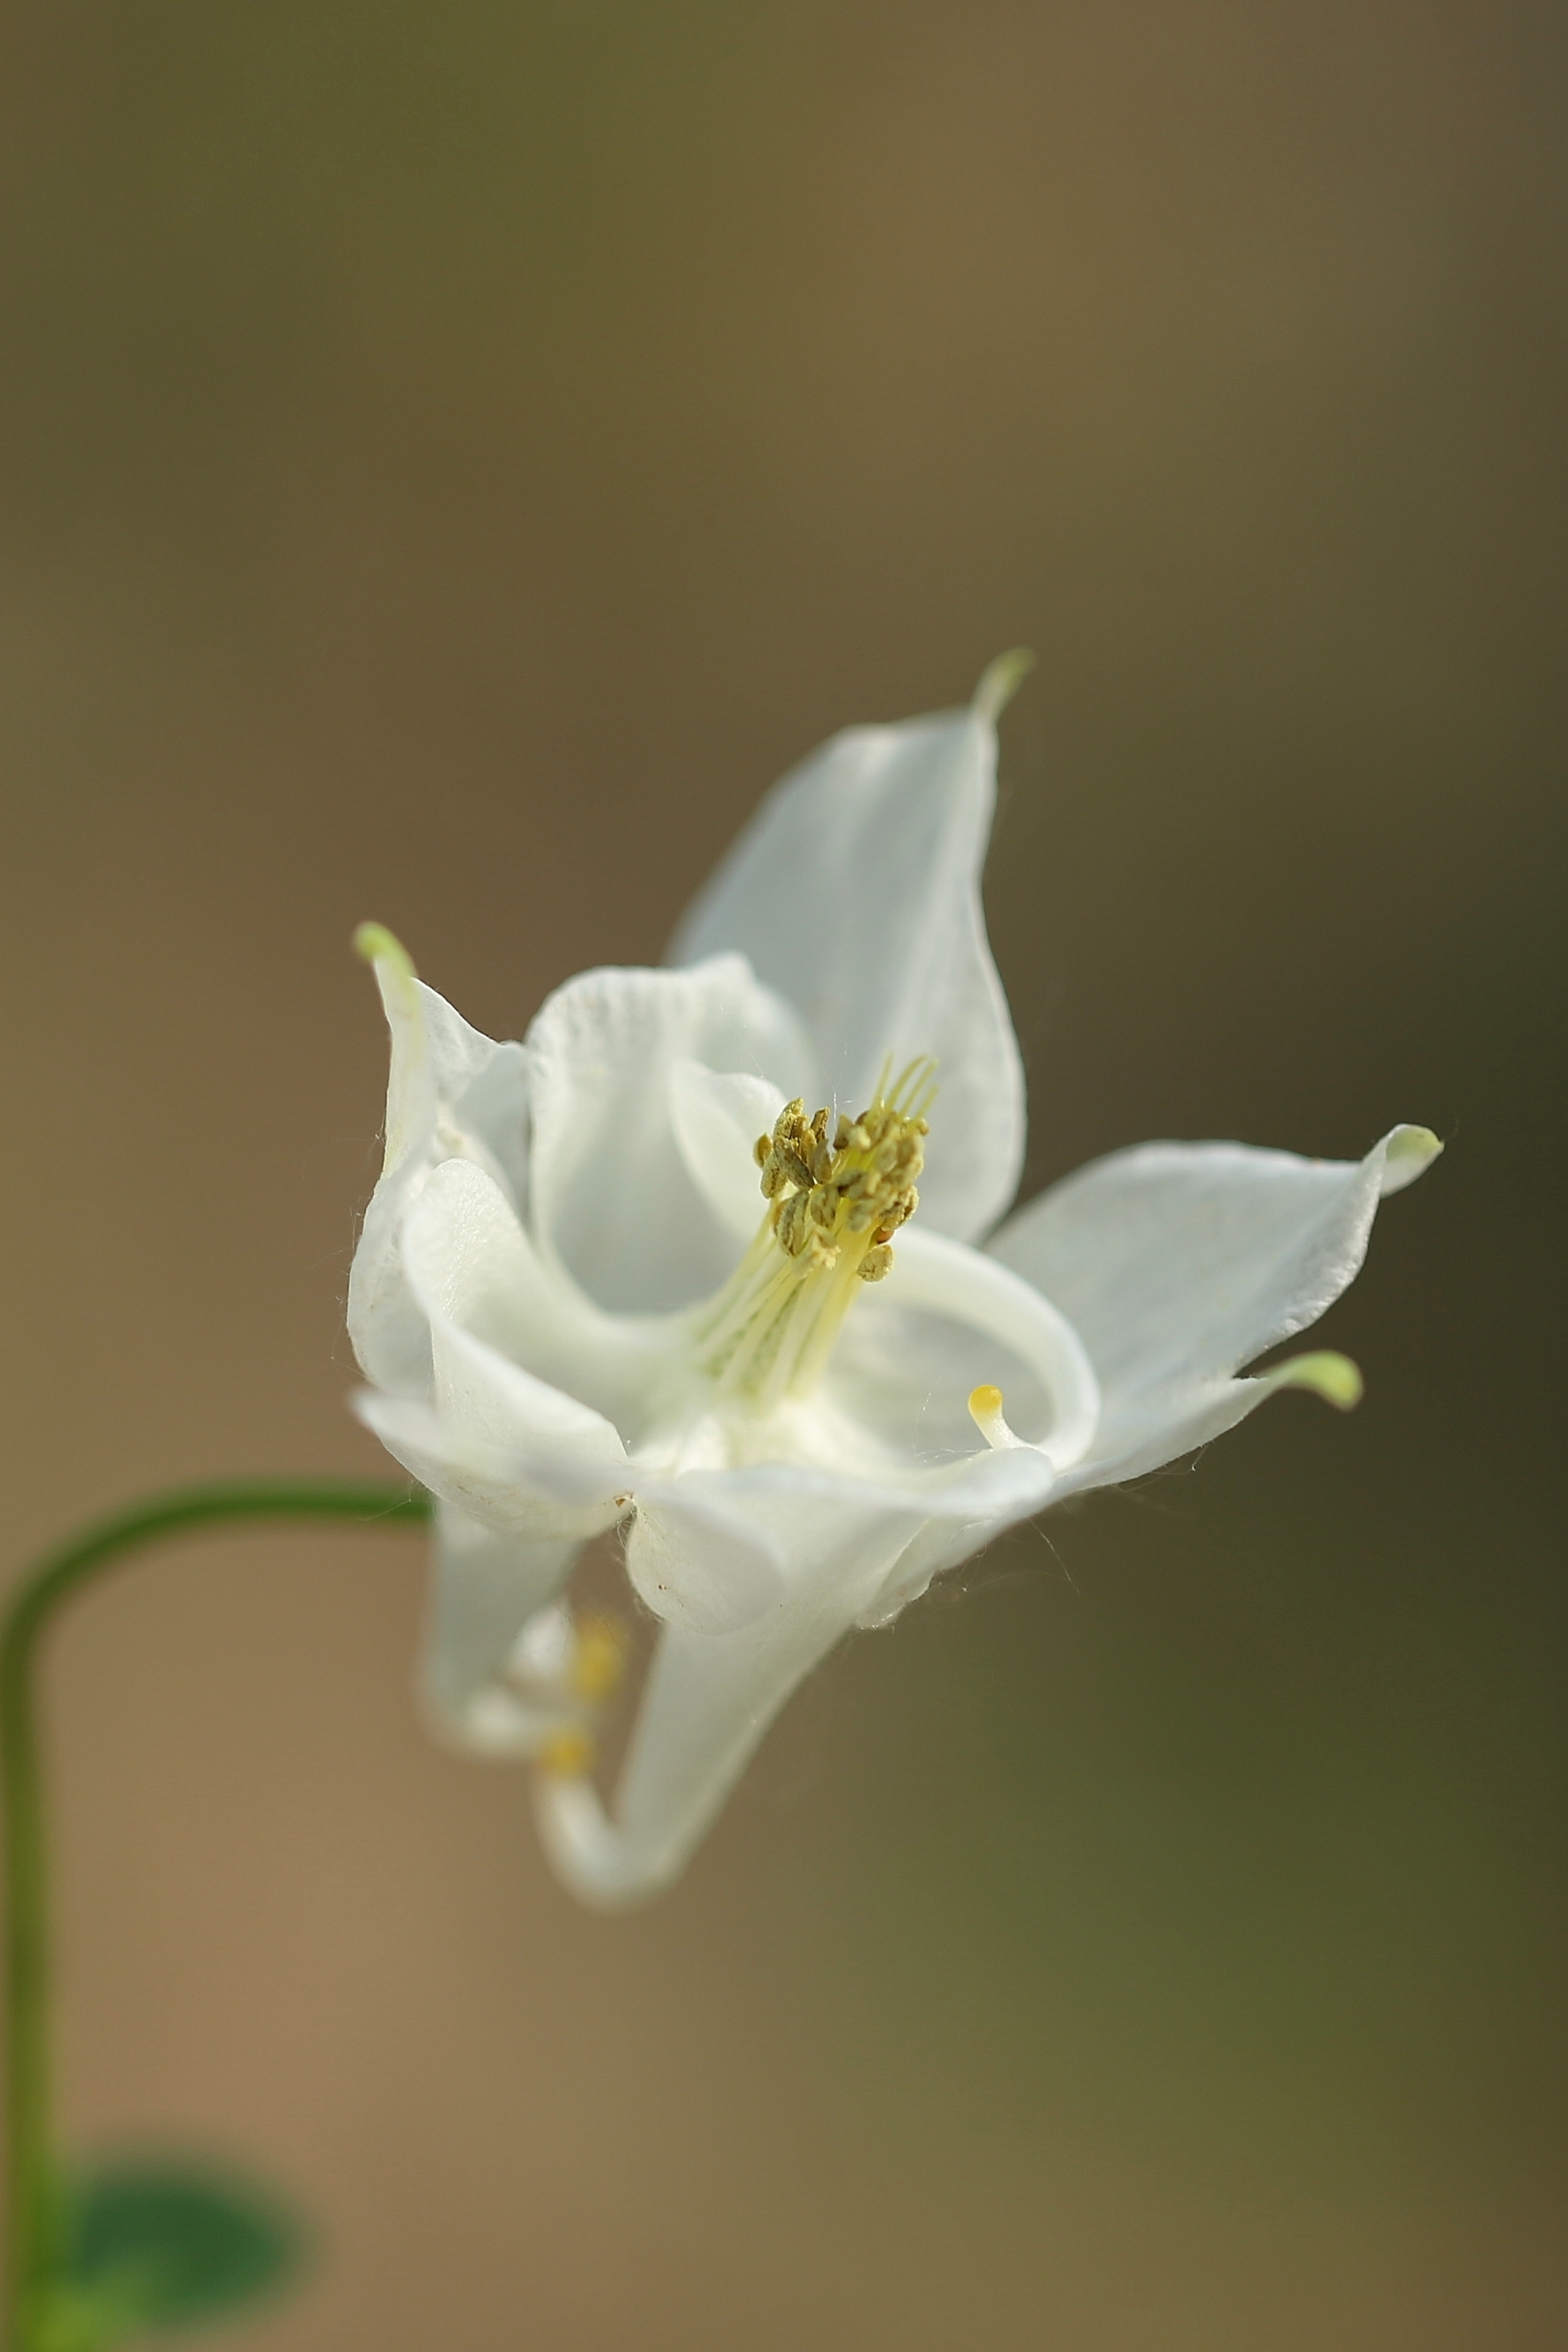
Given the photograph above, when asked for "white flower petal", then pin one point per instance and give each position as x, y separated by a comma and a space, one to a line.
708, 1700
696, 1564
613, 1196
491, 1482
556, 1446
718, 1117
941, 1545
451, 1092
1407, 1153
1148, 1430
470, 1258
485, 1589
934, 1275
710, 1696
1177, 1262
515, 1452
856, 893
980, 1500
461, 1252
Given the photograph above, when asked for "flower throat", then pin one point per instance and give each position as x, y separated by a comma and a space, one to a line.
834, 1209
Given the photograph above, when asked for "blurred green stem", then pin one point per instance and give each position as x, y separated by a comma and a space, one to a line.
32, 2246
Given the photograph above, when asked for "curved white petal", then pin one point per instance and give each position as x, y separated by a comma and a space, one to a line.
941, 1545
470, 1258
708, 1700
938, 1277
1178, 1262
494, 1483
451, 1093
1148, 1430
513, 1451
718, 1116
485, 1590
451, 1240
856, 893
695, 1564
710, 1696
613, 1197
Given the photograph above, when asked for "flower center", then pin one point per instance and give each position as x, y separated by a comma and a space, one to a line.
834, 1209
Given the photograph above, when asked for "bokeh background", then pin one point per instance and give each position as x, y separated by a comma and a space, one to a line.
453, 457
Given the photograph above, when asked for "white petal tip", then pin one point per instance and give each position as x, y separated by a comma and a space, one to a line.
393, 964
589, 1855
1001, 682
1332, 1377
1409, 1152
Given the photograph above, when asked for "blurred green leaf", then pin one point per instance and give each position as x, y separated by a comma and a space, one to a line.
156, 2245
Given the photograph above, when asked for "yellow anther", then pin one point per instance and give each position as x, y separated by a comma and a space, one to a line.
567, 1755
863, 1181
599, 1659
834, 1209
791, 1229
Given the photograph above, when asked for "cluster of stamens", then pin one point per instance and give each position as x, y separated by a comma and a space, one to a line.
838, 1191
851, 1194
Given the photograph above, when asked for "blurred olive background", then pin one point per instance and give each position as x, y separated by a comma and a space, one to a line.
453, 458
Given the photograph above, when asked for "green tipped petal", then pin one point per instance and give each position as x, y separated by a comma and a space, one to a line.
378, 945
1332, 1377
409, 1104
1410, 1152
1002, 681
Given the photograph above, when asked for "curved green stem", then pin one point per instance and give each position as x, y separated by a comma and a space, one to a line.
32, 2247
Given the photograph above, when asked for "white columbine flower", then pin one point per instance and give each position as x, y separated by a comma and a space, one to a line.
661, 1268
